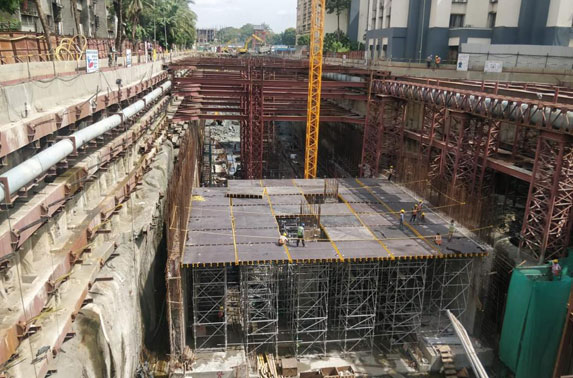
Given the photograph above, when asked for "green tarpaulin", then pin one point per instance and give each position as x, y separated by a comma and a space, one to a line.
534, 317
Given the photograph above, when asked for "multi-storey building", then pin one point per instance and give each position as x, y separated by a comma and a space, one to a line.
331, 20
413, 29
358, 20
206, 35
93, 17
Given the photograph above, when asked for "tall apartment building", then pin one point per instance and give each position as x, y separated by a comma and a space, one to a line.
94, 18
413, 29
303, 12
358, 20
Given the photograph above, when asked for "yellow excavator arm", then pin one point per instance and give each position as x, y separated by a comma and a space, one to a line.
245, 48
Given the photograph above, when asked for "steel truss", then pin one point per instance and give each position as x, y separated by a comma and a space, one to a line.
259, 294
547, 225
400, 301
210, 308
449, 287
354, 305
468, 142
432, 127
383, 134
309, 296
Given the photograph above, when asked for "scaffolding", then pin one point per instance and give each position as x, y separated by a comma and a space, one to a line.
309, 300
400, 301
210, 308
259, 293
354, 305
449, 288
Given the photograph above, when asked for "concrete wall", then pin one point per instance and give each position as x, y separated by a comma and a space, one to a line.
520, 56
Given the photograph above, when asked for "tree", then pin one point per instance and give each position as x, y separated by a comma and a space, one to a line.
45, 26
134, 9
9, 6
228, 34
118, 7
337, 6
289, 37
74, 6
303, 40
336, 42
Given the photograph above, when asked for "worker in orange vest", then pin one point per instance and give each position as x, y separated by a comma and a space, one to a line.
438, 239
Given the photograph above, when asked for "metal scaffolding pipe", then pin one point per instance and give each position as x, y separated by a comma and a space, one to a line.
27, 171
509, 109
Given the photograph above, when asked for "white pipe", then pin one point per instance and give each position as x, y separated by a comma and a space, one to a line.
27, 171
468, 347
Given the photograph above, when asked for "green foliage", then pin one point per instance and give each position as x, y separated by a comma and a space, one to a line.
10, 6
336, 42
173, 19
337, 6
289, 37
303, 40
228, 34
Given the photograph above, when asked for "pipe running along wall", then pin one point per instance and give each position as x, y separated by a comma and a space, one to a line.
40, 163
479, 104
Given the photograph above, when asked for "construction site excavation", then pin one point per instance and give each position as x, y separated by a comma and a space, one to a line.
383, 191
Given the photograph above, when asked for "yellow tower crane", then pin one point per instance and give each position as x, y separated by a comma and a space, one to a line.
314, 87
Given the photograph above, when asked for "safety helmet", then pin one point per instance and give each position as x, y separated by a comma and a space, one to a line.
555, 261
402, 211
302, 224
423, 213
284, 234
391, 166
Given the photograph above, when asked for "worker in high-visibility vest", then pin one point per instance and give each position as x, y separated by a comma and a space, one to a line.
402, 215
300, 234
451, 230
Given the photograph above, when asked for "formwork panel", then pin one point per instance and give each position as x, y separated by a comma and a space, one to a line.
209, 254
210, 237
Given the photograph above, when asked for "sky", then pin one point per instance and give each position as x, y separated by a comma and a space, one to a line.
279, 14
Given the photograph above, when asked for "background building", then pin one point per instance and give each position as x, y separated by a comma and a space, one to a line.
413, 29
206, 35
358, 20
93, 16
303, 12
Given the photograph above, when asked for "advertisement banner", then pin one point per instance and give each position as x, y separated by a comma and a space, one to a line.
463, 62
92, 61
128, 57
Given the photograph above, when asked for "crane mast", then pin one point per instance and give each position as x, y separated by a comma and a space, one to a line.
314, 87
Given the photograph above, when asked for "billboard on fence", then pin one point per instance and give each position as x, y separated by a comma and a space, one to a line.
92, 61
463, 62
128, 57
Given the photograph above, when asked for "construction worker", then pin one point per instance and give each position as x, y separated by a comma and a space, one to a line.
283, 240
300, 234
438, 60
438, 239
422, 217
451, 230
429, 61
402, 214
555, 270
221, 313
414, 213
390, 172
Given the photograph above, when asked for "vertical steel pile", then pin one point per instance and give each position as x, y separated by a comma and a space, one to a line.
178, 209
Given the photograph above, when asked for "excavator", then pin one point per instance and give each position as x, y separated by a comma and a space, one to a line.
245, 49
